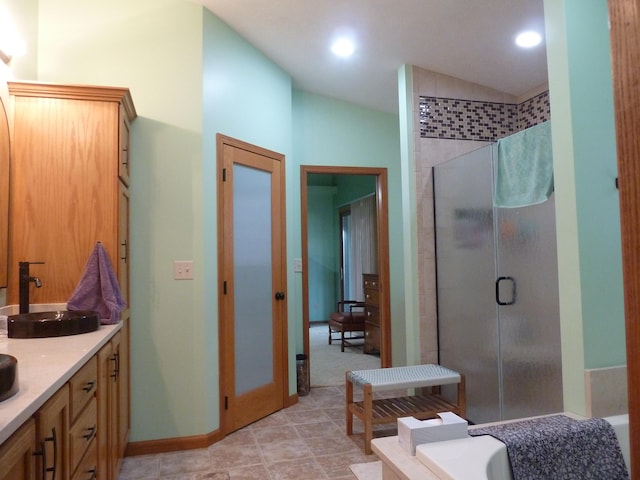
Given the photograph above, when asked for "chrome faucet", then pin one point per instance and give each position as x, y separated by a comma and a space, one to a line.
25, 279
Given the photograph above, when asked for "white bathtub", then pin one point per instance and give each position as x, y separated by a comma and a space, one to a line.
485, 458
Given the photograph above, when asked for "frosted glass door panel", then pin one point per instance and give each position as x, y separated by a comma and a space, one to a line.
253, 334
530, 327
467, 312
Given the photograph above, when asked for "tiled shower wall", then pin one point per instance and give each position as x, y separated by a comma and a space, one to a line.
455, 117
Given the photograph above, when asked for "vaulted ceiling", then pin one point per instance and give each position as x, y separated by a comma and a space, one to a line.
469, 39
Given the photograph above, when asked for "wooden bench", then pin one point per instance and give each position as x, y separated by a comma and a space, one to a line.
388, 410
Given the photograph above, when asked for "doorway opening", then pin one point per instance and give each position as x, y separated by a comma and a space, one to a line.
347, 283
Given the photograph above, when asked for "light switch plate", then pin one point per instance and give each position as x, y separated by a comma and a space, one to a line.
183, 270
297, 264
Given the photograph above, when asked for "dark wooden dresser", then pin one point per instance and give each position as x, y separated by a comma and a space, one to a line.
371, 288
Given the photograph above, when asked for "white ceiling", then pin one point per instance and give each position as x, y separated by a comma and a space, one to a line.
468, 39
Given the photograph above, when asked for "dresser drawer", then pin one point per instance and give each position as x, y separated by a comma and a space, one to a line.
373, 315
83, 387
82, 433
371, 338
370, 296
370, 280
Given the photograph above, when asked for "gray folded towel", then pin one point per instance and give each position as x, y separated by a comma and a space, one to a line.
98, 289
559, 447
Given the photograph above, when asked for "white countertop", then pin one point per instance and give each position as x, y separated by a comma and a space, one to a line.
45, 365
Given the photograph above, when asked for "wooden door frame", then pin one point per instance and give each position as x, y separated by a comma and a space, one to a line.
624, 18
382, 215
341, 213
224, 370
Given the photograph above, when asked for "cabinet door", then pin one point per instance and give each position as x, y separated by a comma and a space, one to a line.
52, 427
124, 386
104, 394
123, 165
123, 240
16, 454
115, 423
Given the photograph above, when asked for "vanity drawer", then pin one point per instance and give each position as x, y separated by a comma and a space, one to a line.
83, 433
83, 387
88, 468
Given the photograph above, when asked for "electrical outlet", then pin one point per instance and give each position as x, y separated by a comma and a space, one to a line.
183, 270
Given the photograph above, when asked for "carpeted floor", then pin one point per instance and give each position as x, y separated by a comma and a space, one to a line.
328, 364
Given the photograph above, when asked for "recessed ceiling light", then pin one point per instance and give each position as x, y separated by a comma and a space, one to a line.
528, 39
343, 47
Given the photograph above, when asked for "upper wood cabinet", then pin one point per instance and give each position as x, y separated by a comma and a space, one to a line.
5, 155
68, 183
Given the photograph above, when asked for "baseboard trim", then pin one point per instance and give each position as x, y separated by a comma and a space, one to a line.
172, 444
292, 400
149, 447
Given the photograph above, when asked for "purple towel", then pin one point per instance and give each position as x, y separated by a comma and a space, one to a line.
98, 289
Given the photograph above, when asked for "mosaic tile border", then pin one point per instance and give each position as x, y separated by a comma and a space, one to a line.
456, 119
533, 111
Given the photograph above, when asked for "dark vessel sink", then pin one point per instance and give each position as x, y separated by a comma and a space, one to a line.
52, 324
8, 376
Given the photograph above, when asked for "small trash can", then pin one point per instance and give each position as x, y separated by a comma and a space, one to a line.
302, 373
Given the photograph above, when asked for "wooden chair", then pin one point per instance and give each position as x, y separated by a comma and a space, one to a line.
349, 317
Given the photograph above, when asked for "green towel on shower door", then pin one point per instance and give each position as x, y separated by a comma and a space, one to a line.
525, 167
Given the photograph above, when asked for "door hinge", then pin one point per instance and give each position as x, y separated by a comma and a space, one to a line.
224, 287
226, 403
224, 174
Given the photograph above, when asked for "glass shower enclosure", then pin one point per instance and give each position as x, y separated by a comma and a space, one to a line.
498, 309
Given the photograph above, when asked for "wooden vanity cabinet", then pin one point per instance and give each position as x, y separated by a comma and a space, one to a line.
16, 454
81, 432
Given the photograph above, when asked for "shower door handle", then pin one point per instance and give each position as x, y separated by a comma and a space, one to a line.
513, 290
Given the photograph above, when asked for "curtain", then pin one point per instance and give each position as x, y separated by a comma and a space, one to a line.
364, 242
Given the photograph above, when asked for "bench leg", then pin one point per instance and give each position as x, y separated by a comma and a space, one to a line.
462, 397
342, 340
368, 417
349, 401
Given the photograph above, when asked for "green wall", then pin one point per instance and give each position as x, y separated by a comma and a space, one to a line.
191, 76
587, 210
354, 187
323, 248
154, 47
248, 97
335, 133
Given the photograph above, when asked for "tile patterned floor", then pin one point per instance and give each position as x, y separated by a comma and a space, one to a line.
307, 440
